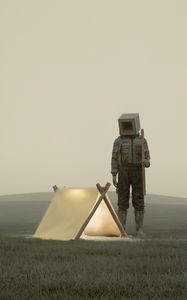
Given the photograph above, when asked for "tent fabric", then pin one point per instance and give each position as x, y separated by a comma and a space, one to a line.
68, 211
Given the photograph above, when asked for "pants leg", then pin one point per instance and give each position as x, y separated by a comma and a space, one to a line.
123, 190
137, 190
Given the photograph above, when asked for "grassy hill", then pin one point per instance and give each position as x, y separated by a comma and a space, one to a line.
47, 196
21, 214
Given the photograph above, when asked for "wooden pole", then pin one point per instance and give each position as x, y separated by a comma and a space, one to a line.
113, 213
143, 159
105, 189
55, 188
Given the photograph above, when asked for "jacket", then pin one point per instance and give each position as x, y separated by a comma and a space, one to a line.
127, 151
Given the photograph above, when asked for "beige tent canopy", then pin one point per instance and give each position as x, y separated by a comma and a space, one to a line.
74, 213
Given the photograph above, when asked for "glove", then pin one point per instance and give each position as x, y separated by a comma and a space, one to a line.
114, 179
146, 163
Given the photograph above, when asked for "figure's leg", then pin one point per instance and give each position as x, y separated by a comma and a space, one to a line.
123, 188
122, 215
138, 200
139, 217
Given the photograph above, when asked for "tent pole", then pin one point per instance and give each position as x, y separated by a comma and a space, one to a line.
104, 190
113, 213
55, 188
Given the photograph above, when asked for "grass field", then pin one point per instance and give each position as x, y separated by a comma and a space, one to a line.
33, 269
154, 268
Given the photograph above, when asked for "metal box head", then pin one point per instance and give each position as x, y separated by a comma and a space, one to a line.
129, 124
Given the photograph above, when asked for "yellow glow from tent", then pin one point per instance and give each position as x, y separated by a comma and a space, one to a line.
77, 193
69, 210
102, 223
97, 220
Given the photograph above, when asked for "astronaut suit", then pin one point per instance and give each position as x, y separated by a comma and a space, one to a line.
126, 168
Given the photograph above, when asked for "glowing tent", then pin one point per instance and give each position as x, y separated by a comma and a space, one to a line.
74, 212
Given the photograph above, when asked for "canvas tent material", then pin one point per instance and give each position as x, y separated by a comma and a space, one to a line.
68, 211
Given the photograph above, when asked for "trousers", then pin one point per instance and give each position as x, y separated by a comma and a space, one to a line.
130, 176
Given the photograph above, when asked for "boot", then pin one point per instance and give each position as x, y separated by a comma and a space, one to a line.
139, 216
122, 215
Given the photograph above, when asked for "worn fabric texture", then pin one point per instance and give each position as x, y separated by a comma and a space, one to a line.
127, 152
126, 163
130, 176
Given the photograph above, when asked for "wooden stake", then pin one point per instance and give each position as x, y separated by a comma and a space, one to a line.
143, 159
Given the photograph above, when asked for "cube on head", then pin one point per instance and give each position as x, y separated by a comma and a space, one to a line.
129, 124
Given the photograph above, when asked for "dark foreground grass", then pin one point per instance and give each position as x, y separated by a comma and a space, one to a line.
34, 269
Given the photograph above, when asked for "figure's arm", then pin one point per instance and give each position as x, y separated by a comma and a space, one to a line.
146, 154
114, 162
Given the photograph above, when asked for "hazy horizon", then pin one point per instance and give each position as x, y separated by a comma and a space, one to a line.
69, 69
48, 196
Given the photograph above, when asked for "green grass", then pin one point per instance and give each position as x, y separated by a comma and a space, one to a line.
35, 269
154, 268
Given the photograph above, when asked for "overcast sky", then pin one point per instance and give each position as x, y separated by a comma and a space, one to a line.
69, 69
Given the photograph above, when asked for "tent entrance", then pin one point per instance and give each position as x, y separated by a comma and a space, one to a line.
102, 220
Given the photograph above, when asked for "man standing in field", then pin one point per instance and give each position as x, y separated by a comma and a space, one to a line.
130, 156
